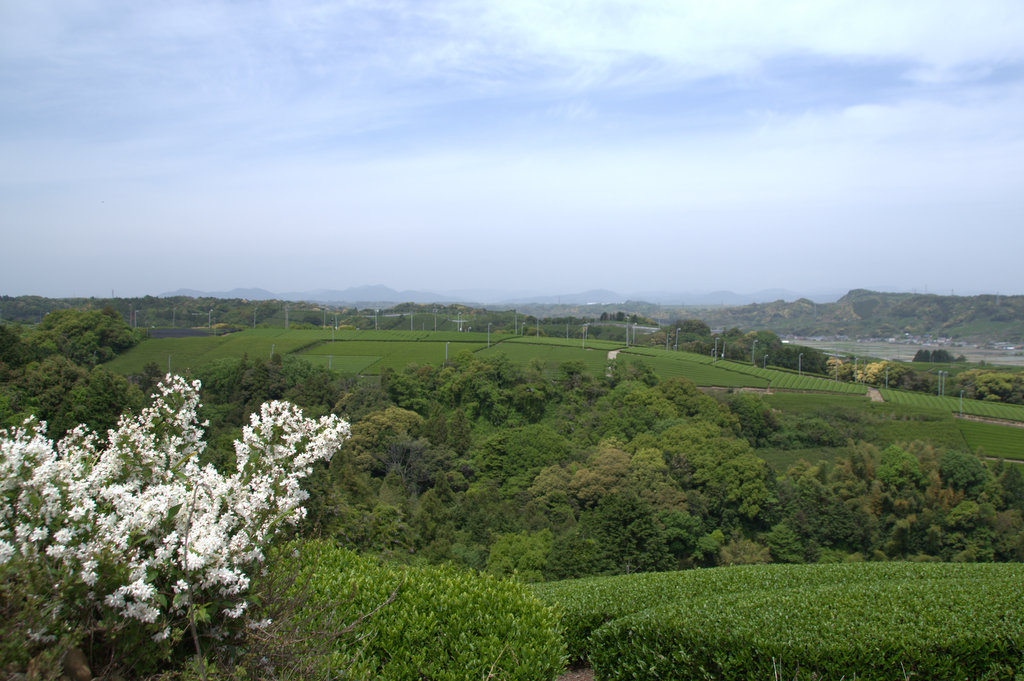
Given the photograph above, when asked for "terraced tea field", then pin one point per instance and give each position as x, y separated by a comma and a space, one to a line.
697, 368
854, 620
787, 380
187, 353
567, 342
992, 410
391, 354
1002, 442
368, 352
550, 354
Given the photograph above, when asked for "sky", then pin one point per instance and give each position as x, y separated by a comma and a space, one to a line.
541, 146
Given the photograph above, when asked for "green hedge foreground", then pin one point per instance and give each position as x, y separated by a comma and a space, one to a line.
435, 622
857, 620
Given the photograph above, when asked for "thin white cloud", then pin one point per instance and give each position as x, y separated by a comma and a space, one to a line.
544, 126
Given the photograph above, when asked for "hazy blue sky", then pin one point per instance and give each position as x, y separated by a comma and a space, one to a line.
532, 145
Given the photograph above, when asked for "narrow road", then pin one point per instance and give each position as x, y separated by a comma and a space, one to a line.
875, 395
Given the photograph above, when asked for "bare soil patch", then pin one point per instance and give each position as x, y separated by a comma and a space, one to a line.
577, 674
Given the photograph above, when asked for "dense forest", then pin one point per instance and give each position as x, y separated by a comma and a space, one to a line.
508, 469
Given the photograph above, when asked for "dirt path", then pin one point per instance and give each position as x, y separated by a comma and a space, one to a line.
612, 354
875, 395
982, 419
577, 674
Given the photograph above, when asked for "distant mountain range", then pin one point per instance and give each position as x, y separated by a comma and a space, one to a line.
383, 295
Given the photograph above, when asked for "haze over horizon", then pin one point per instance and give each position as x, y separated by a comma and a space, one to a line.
536, 146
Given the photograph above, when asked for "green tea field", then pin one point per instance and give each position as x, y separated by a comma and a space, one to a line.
952, 405
1003, 442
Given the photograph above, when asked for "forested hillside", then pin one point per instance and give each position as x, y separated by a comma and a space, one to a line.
860, 313
506, 467
874, 314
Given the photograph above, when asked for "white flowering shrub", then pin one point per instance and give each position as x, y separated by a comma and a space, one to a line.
131, 538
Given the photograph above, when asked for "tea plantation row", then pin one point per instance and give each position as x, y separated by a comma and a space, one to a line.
857, 620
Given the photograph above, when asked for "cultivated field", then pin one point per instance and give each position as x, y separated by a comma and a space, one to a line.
368, 352
188, 353
1003, 442
853, 620
697, 368
954, 405
550, 355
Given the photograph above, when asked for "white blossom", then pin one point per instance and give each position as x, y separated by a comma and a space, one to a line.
137, 515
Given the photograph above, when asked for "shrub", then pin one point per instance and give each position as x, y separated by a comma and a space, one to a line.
434, 622
129, 544
865, 621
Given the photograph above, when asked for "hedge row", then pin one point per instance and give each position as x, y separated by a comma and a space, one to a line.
864, 621
443, 623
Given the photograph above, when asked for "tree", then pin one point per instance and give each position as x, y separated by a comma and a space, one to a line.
373, 436
628, 537
899, 469
606, 472
744, 551
1012, 483
757, 423
49, 387
522, 554
86, 337
785, 544
962, 471
13, 352
513, 456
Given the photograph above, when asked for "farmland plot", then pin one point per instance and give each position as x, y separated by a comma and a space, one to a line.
786, 380
551, 354
1003, 442
394, 354
567, 342
854, 620
188, 353
668, 364
992, 410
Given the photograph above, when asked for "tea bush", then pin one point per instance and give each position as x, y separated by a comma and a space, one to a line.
441, 623
869, 620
